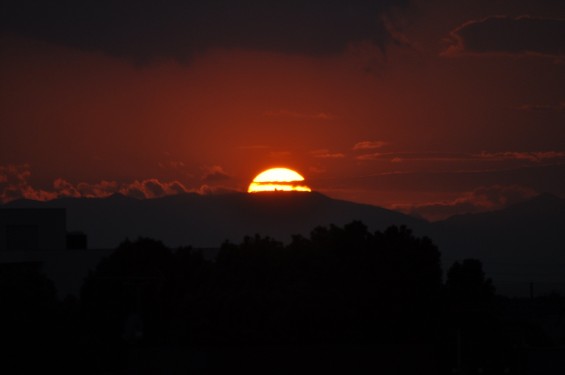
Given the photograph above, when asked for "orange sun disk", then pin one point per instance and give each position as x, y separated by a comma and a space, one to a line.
278, 179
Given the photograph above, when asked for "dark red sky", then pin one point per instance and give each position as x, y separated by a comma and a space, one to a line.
433, 106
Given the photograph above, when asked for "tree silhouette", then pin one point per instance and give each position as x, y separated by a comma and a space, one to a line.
128, 299
475, 334
28, 317
467, 287
338, 285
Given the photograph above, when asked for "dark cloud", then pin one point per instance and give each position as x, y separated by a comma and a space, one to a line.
509, 35
177, 29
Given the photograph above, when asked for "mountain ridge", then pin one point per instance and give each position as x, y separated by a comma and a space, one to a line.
231, 216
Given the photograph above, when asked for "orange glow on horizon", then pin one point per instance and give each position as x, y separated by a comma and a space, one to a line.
277, 179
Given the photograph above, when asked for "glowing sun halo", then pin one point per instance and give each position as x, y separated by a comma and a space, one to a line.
278, 179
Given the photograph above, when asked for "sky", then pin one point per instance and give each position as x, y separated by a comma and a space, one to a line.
432, 107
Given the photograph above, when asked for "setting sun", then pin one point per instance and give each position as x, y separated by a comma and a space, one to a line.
278, 179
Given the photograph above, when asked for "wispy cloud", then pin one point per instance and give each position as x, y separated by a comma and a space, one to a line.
529, 156
372, 156
312, 116
326, 154
368, 145
397, 157
559, 107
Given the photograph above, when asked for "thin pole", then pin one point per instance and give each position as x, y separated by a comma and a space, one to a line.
459, 350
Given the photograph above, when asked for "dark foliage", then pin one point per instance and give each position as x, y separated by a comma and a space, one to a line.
29, 318
467, 287
341, 299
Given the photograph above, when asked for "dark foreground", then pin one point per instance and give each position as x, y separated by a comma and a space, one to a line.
343, 299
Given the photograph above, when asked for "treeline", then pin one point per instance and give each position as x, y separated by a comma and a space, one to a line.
338, 289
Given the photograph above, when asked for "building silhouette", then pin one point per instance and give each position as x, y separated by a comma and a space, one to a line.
37, 238
33, 229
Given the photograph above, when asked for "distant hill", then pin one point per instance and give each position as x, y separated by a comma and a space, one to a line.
520, 244
209, 220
